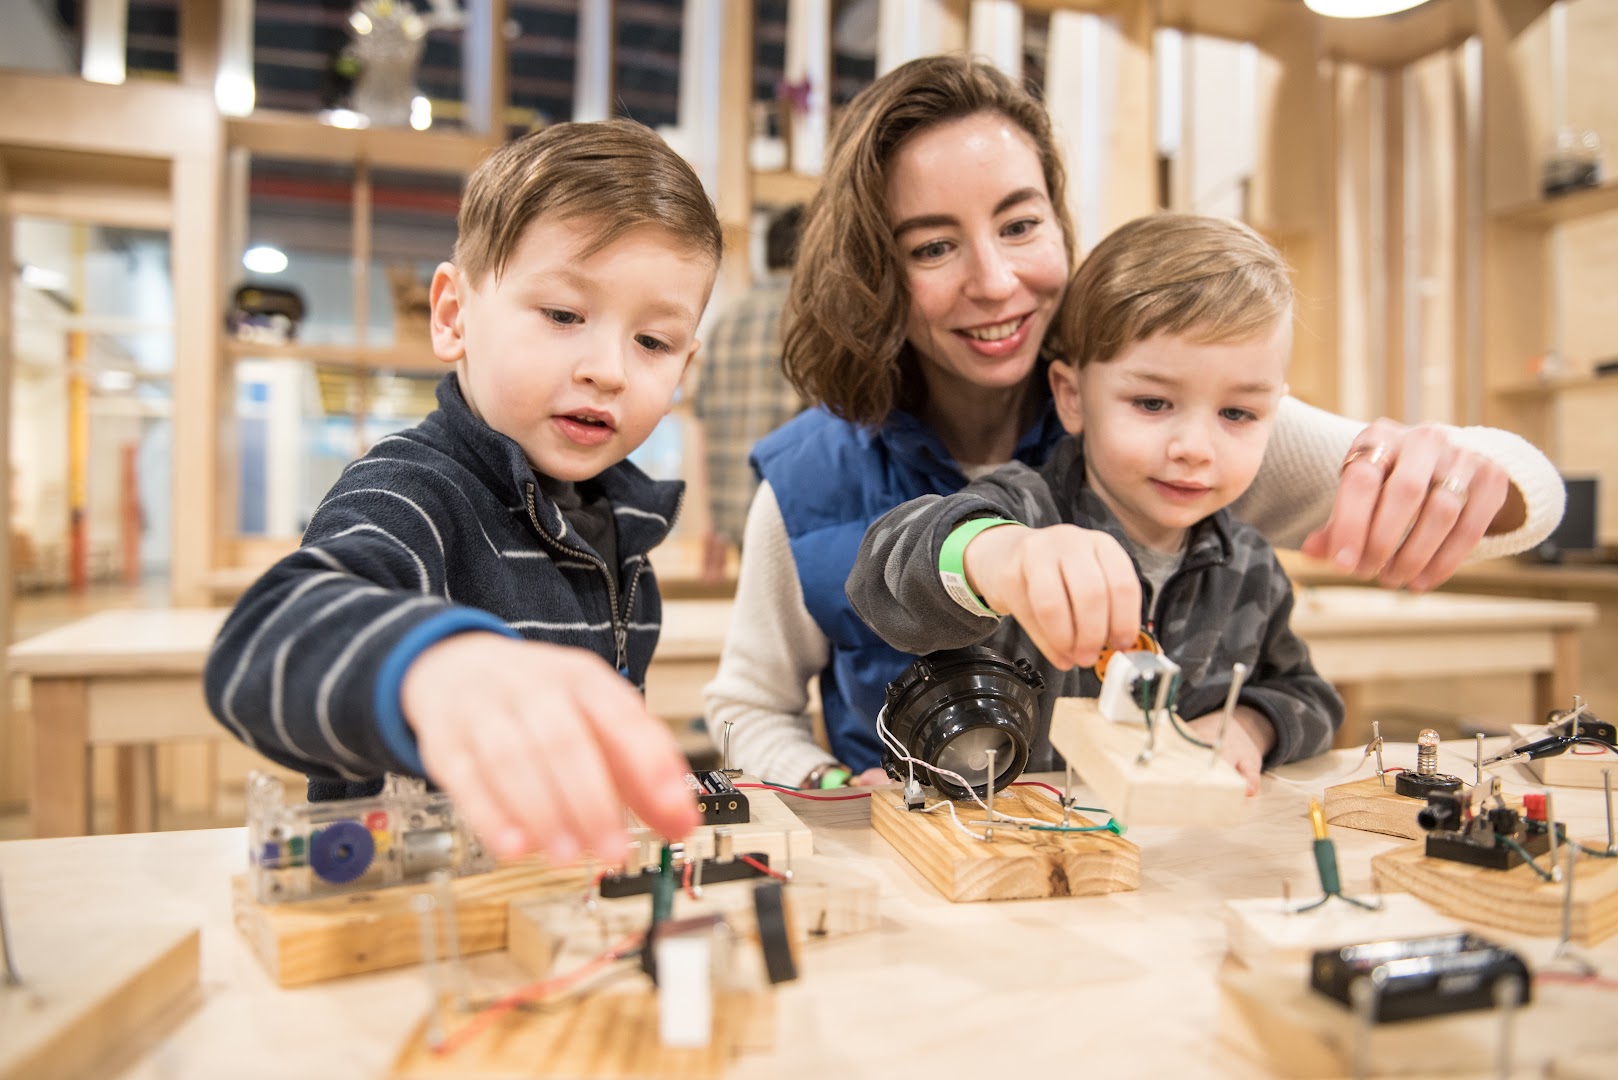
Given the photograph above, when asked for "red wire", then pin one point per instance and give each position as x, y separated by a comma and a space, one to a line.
760, 867
1052, 788
1393, 768
533, 992
1569, 977
1589, 751
689, 863
803, 795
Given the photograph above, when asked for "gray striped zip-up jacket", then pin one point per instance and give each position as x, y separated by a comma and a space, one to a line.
1228, 601
439, 529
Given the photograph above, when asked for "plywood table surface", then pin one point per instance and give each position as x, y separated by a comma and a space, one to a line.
1358, 636
133, 678
1118, 985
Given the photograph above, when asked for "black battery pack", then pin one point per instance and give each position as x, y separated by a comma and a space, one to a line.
717, 798
1417, 977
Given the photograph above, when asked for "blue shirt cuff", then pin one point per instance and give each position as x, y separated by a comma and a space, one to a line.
390, 718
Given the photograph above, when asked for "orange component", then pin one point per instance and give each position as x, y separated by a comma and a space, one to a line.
1144, 642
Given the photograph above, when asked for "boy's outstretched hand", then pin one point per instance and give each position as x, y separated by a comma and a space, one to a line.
1249, 737
542, 746
1072, 590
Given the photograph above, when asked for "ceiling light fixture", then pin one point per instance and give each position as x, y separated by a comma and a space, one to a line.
264, 259
1360, 9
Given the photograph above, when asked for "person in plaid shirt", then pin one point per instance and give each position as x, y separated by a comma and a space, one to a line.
742, 395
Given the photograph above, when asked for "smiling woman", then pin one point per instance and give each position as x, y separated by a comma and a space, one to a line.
932, 265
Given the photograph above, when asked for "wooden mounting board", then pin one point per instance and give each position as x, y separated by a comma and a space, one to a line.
598, 1035
1517, 900
773, 829
826, 900
1183, 784
1018, 864
1571, 768
93, 998
310, 941
1368, 806
1267, 931
1297, 1032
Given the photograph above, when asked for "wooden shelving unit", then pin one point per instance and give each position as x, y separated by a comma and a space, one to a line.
780, 188
298, 137
1561, 209
406, 358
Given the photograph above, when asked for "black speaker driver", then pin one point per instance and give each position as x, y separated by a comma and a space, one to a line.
951, 708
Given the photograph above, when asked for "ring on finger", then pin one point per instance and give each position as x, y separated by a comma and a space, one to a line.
1376, 454
1451, 484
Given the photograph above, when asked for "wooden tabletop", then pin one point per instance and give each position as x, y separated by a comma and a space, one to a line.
1597, 580
1345, 610
135, 641
150, 641
1125, 984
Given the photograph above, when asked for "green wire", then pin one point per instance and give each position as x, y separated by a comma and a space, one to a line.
1526, 857
1111, 826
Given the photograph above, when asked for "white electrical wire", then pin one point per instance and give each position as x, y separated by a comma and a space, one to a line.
898, 751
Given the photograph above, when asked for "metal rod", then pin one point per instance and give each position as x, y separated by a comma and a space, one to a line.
444, 893
1550, 823
787, 836
1362, 996
1376, 742
1479, 766
696, 874
423, 904
726, 766
1067, 800
1606, 787
1507, 991
1238, 675
1567, 902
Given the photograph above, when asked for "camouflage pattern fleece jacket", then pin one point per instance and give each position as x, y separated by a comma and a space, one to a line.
1228, 601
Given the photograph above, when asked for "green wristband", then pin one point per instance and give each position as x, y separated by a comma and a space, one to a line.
952, 563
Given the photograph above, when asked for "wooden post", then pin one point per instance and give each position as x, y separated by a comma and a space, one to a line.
61, 710
9, 740
199, 43
199, 512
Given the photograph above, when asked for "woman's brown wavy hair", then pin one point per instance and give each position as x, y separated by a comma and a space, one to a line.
845, 344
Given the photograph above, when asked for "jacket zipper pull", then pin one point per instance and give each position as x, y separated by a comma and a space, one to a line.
620, 636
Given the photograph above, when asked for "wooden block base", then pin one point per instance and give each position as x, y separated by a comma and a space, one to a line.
1018, 864
311, 941
1575, 767
826, 899
1269, 931
1296, 1032
1517, 900
1367, 805
93, 998
773, 829
1182, 784
602, 1035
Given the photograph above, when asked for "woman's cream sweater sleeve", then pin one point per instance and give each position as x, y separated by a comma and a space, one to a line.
1293, 493
772, 650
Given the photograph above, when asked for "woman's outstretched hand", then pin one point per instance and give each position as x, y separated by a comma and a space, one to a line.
1411, 506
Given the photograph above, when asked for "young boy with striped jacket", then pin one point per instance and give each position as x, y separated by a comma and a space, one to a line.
472, 601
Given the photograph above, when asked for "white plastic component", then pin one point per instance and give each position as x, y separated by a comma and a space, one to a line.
685, 989
1118, 701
